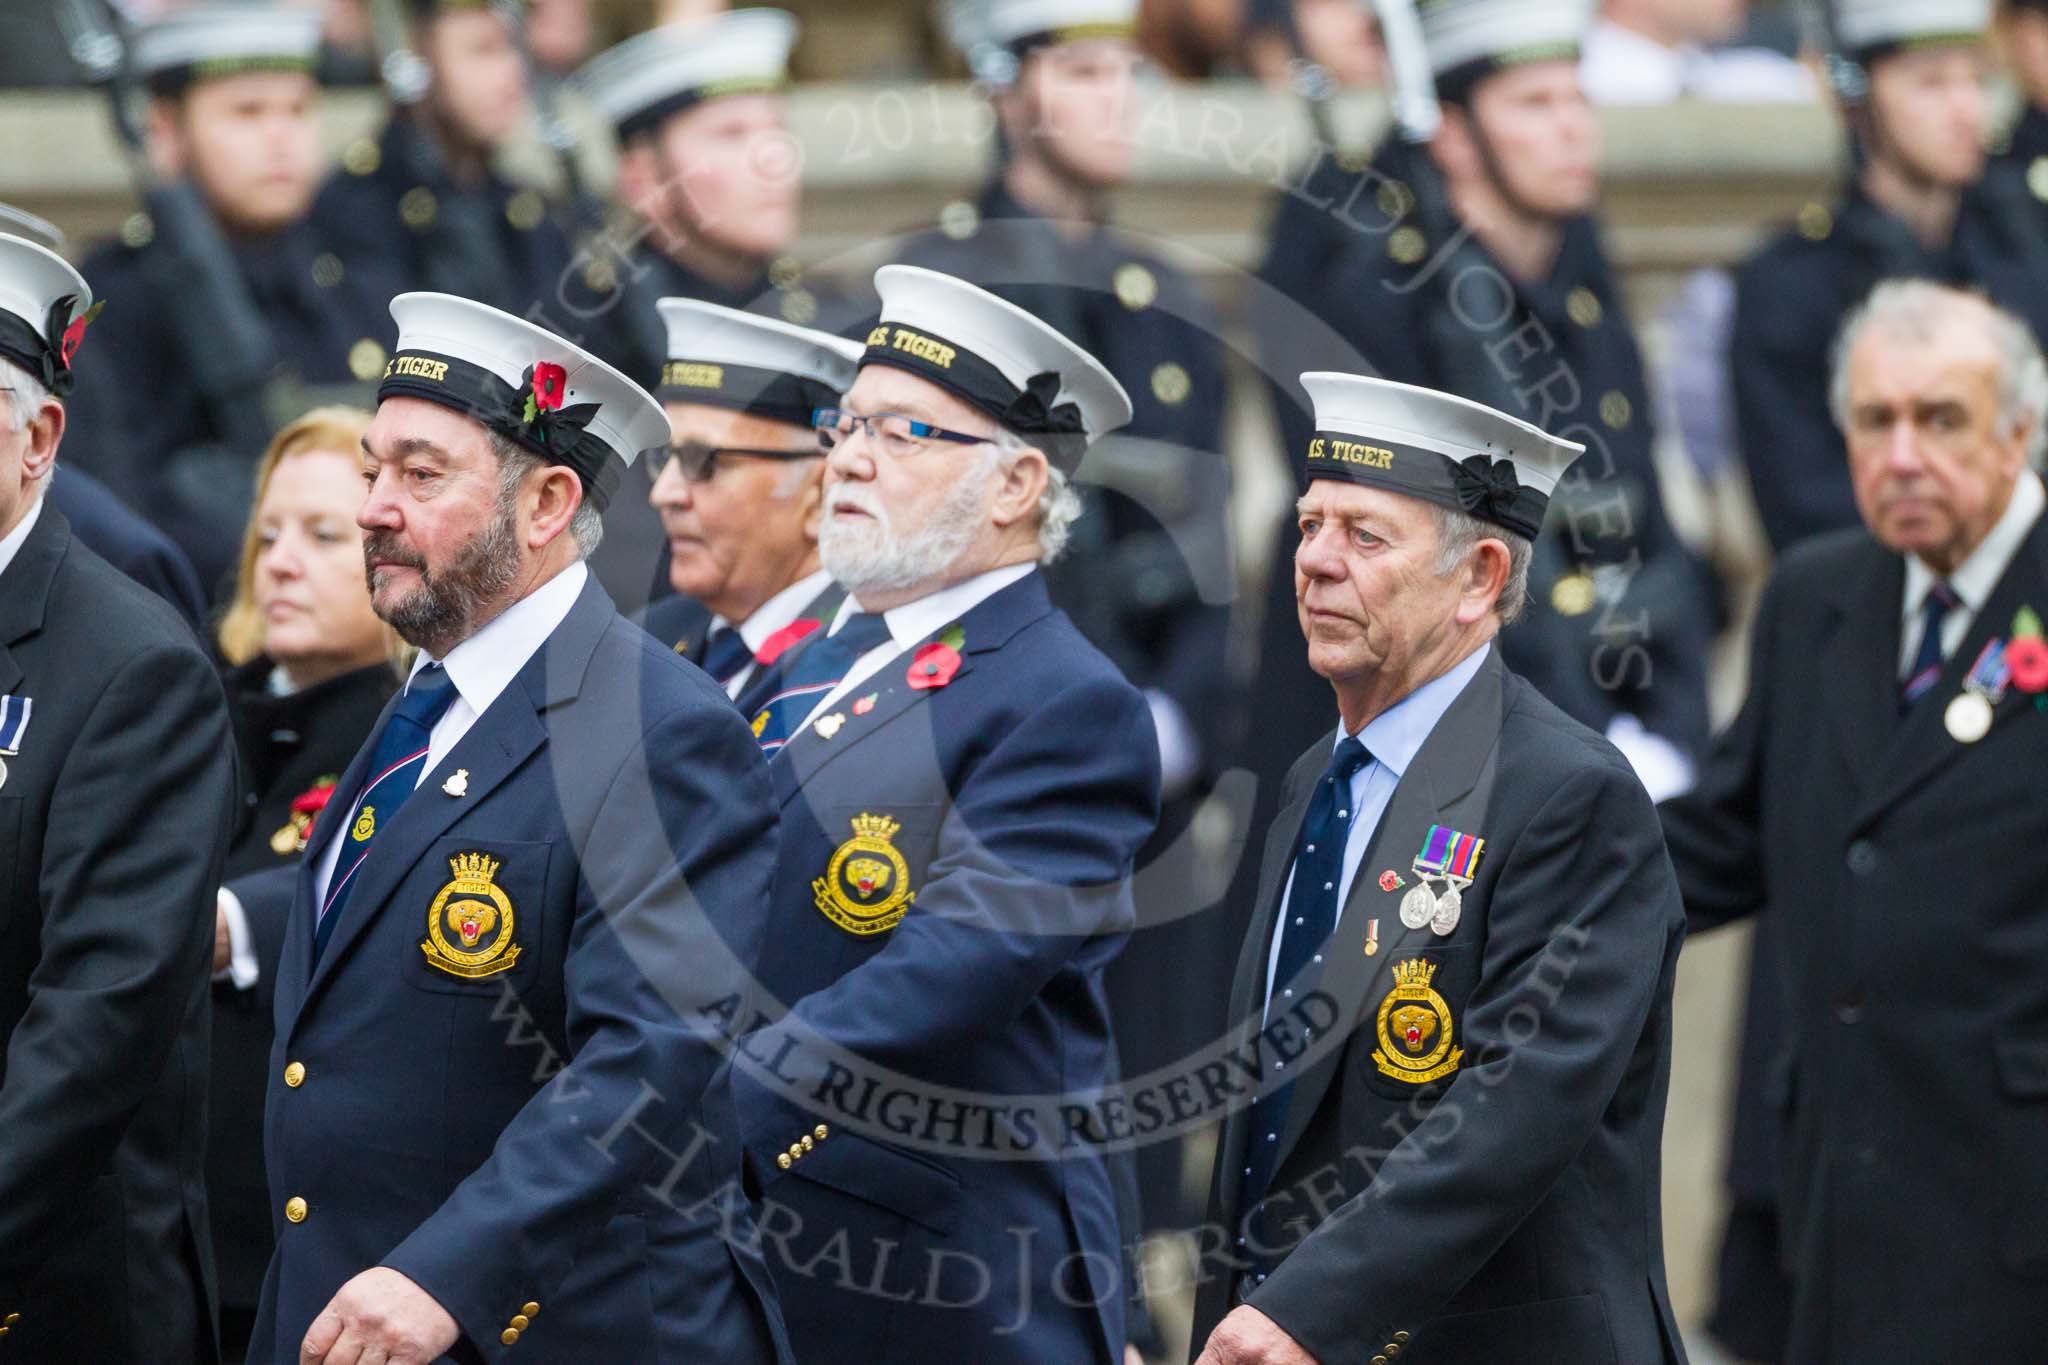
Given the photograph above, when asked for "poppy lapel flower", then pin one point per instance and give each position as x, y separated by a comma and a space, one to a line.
306, 808
74, 334
550, 383
936, 662
778, 644
2026, 656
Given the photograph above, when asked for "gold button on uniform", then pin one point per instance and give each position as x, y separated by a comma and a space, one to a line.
1136, 287
600, 276
1171, 385
1379, 1360
1582, 305
1615, 409
1815, 222
1574, 595
418, 208
530, 1310
799, 306
1394, 199
525, 209
295, 1210
362, 157
327, 271
295, 1075
819, 1132
509, 1335
782, 1160
1407, 246
13, 1318
1401, 1337
137, 230
521, 1321
959, 220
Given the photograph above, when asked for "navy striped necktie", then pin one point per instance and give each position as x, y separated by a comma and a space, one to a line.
821, 667
396, 765
725, 654
1926, 670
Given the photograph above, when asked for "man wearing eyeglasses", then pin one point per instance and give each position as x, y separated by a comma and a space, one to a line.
741, 494
963, 784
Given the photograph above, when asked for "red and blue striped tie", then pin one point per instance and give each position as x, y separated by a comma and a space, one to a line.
1926, 670
395, 768
812, 675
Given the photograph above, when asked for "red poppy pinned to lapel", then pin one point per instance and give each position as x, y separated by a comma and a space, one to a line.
778, 644
2026, 657
306, 808
935, 663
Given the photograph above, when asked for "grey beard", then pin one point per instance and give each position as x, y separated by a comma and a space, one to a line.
444, 610
874, 559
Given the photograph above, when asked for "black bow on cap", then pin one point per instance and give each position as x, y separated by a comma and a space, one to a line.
1488, 489
1033, 413
554, 430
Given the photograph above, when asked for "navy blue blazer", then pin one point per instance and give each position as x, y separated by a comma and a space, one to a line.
955, 873
684, 625
539, 1133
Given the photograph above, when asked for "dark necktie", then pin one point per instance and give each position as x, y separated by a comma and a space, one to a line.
813, 674
725, 654
395, 767
1926, 670
1310, 917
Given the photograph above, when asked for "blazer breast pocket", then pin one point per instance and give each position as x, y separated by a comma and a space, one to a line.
1414, 1022
480, 928
873, 873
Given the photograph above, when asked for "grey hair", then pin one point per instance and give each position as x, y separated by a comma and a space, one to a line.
1914, 309
1459, 533
515, 462
1059, 507
26, 396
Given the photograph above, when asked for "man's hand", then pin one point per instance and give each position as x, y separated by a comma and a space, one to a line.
379, 1318
1249, 1337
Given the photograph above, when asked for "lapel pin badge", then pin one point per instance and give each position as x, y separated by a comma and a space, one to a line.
457, 785
1372, 937
828, 726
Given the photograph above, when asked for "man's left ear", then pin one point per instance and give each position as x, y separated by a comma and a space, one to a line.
45, 433
558, 494
1019, 486
1486, 578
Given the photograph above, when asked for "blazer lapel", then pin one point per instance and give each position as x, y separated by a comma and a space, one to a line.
1921, 746
1861, 662
495, 747
1450, 782
25, 586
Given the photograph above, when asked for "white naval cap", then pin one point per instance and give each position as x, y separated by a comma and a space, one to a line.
664, 71
1862, 26
997, 358
1437, 447
1496, 34
525, 383
206, 41
45, 306
753, 364
971, 24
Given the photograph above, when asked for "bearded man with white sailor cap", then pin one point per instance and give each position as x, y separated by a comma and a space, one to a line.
1458, 976
964, 784
558, 829
117, 790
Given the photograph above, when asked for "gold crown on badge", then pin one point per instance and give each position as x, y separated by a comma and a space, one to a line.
474, 866
876, 827
1414, 973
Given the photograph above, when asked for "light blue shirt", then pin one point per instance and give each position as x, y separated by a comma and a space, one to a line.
1392, 738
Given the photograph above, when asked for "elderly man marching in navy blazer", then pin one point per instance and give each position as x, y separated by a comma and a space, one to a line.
1458, 978
487, 1129
964, 784
741, 492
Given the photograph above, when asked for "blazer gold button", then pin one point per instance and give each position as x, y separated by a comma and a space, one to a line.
531, 1310
1379, 1360
509, 1335
807, 1143
782, 1160
521, 1321
1401, 1337
1393, 1348
819, 1132
12, 1318
295, 1210
295, 1075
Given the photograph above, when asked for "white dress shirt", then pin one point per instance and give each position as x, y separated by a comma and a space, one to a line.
912, 622
1977, 577
771, 616
1393, 738
481, 667
11, 544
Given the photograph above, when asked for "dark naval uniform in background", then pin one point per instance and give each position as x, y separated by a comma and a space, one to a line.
114, 813
1502, 1204
148, 432
106, 526
494, 242
1791, 299
999, 816
1904, 871
554, 1180
287, 746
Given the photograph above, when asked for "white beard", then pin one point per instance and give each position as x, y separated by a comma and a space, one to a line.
869, 557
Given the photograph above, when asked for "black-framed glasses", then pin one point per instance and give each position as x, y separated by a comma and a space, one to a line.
891, 433
699, 462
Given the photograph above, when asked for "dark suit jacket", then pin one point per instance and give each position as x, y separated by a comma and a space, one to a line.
113, 821
684, 626
1905, 871
285, 745
117, 535
548, 1134
1508, 1210
1016, 797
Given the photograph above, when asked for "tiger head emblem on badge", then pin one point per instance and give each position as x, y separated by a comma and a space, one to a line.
469, 927
1410, 1016
866, 886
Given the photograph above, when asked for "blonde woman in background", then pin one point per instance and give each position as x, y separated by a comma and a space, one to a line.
309, 669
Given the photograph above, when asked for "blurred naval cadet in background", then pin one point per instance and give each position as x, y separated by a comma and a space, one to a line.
712, 180
947, 896
230, 312
1476, 267
1920, 202
1146, 573
309, 668
1472, 888
2022, 27
117, 788
559, 824
423, 195
1894, 723
741, 493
